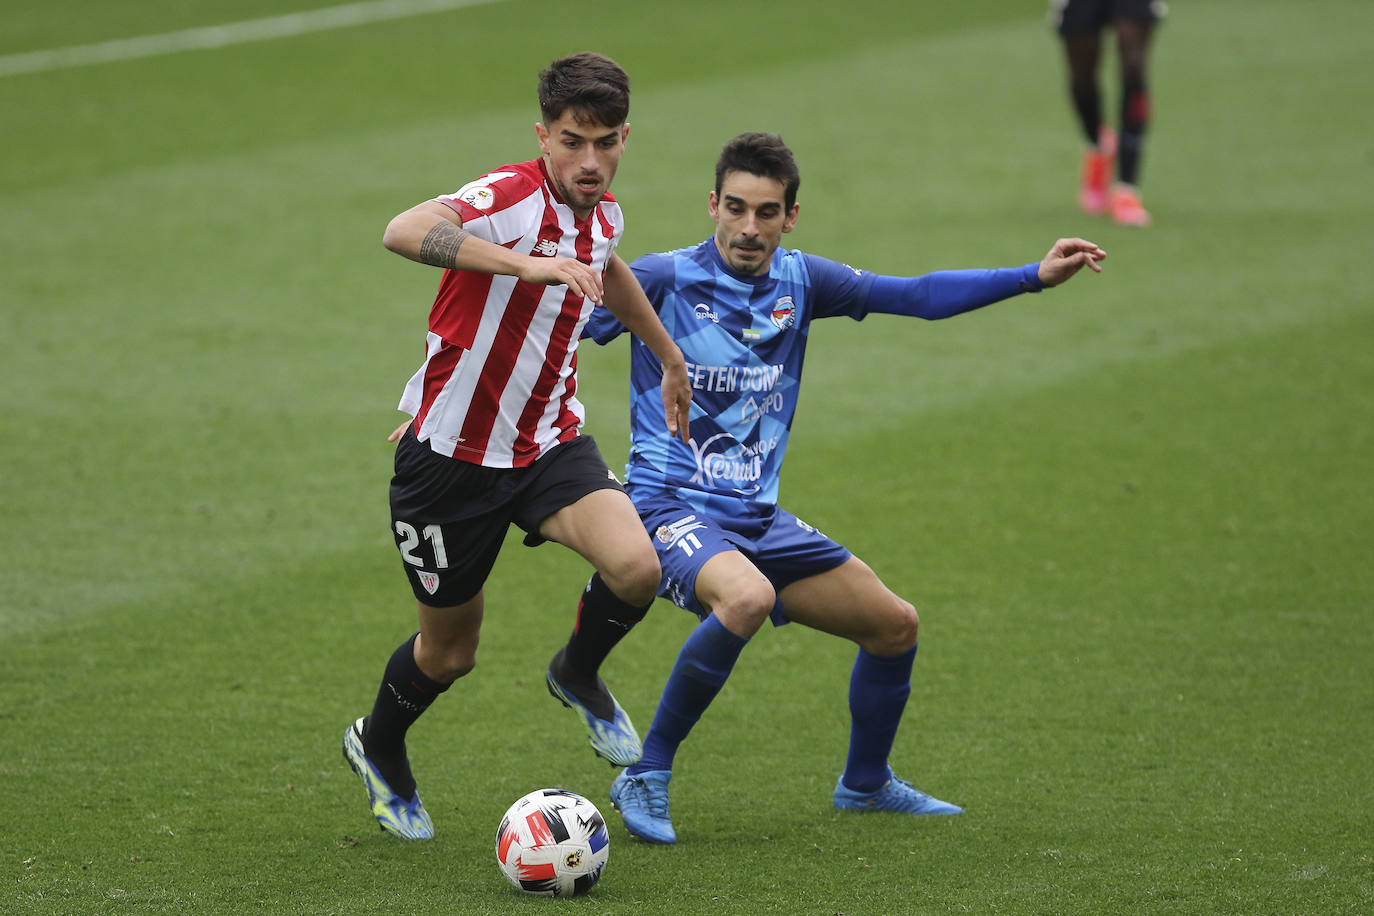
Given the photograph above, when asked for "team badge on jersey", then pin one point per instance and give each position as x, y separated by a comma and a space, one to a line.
784, 313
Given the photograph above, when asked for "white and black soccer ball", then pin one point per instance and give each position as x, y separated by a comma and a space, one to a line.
552, 842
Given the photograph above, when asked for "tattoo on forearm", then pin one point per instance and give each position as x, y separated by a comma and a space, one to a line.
441, 244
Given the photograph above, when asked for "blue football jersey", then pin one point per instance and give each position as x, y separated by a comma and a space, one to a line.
744, 339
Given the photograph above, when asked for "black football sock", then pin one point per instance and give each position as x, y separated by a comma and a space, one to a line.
1087, 104
602, 621
405, 693
1135, 117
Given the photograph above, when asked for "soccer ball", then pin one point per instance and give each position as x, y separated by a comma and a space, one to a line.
552, 842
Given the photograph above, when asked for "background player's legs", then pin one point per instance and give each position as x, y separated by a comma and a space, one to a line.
1084, 54
1133, 43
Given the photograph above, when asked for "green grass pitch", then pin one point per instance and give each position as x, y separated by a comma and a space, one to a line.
1134, 512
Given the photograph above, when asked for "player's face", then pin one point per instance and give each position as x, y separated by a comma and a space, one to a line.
750, 217
581, 157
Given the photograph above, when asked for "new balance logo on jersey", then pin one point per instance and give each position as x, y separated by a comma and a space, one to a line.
546, 248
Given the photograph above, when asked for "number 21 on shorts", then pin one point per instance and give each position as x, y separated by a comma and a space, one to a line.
408, 539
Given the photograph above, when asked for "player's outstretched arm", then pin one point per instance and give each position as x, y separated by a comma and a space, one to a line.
431, 233
1066, 258
625, 300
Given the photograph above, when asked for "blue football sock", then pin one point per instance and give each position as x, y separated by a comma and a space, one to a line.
706, 660
878, 691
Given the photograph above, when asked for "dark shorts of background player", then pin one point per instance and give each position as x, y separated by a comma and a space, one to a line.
1087, 17
784, 548
450, 517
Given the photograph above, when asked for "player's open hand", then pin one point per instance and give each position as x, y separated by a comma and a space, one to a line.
677, 400
1068, 257
577, 276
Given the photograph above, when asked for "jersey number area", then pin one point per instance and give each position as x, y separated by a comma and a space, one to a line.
410, 539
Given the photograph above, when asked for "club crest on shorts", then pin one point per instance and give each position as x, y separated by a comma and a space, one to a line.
670, 534
429, 580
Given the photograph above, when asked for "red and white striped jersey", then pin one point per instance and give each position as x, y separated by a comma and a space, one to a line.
499, 382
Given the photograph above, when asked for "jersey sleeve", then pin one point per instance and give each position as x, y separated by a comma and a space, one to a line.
602, 327
843, 290
946, 293
654, 272
481, 200
837, 289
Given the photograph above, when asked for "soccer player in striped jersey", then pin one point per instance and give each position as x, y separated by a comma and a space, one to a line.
740, 306
527, 251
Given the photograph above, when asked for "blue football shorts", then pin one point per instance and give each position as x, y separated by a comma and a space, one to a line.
783, 547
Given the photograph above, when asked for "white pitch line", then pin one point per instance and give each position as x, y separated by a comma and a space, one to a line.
219, 36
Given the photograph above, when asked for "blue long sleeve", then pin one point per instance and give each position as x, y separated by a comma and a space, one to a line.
946, 293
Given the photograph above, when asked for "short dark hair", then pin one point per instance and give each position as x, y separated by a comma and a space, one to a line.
764, 155
592, 85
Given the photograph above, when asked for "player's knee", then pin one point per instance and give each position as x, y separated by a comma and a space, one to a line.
634, 578
447, 664
747, 606
901, 628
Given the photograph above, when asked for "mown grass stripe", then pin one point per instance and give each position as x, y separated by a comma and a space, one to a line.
219, 36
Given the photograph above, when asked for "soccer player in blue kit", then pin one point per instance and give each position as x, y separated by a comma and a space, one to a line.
740, 307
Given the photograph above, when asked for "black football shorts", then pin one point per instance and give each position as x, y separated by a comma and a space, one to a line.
450, 517
1086, 17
